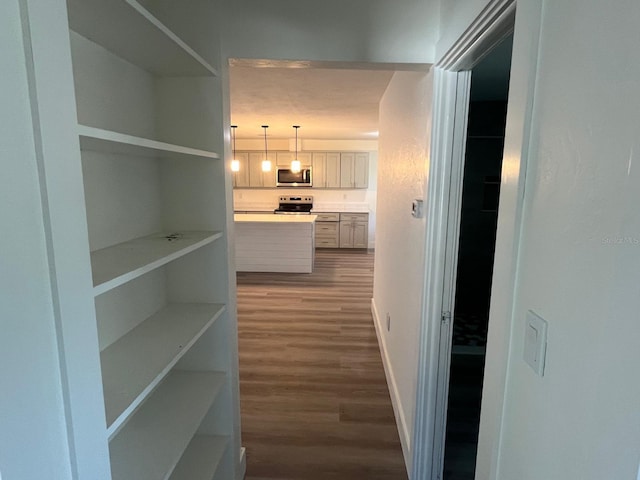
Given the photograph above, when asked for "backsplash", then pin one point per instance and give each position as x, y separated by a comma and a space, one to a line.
325, 200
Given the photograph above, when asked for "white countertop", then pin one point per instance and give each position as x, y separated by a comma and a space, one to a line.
261, 218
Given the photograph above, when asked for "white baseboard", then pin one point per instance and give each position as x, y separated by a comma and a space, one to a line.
401, 422
242, 467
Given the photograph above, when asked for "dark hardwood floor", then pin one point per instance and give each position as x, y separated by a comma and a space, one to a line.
314, 399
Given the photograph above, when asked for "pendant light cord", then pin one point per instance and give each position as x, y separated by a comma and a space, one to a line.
265, 140
233, 130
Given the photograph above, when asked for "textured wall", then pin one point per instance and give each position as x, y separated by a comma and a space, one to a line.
580, 253
405, 125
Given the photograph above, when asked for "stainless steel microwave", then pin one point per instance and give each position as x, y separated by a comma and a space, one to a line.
285, 177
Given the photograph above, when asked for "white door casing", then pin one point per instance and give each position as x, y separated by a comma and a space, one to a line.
495, 22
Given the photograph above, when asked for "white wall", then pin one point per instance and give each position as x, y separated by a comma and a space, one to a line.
405, 125
333, 30
33, 437
52, 402
580, 253
579, 248
455, 18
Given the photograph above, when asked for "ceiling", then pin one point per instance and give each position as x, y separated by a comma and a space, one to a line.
333, 100
327, 103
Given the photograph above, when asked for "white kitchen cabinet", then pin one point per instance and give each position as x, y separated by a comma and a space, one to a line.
241, 177
332, 170
354, 230
318, 162
155, 186
327, 230
326, 170
257, 177
329, 169
354, 170
284, 159
360, 235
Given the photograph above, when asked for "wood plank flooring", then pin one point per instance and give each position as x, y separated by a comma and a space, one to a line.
314, 398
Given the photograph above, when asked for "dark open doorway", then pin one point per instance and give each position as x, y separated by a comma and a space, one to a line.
478, 221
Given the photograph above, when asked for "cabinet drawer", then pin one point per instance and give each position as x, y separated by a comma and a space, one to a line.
328, 217
327, 242
354, 217
327, 228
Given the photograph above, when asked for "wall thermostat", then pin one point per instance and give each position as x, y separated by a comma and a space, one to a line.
416, 208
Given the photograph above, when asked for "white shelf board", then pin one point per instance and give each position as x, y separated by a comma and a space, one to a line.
100, 140
121, 263
129, 30
150, 445
201, 459
133, 366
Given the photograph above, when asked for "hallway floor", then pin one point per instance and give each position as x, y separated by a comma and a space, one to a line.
314, 399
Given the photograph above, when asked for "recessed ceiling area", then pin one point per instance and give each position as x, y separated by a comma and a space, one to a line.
327, 103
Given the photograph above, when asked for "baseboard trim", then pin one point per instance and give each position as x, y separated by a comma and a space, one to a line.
398, 411
242, 466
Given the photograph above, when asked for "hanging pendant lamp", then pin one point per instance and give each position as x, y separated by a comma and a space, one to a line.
295, 163
235, 163
266, 163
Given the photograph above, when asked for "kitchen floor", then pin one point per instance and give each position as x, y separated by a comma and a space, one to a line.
314, 399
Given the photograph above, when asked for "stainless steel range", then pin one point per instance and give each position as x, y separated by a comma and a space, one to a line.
294, 205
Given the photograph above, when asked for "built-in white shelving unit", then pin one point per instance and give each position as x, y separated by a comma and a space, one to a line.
100, 140
151, 444
118, 264
135, 364
149, 125
201, 459
133, 33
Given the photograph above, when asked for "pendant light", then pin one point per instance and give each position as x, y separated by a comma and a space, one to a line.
295, 164
235, 163
266, 163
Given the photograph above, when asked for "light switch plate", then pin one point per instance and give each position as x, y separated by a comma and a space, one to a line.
535, 342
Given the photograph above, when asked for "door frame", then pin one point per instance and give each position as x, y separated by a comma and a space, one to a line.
451, 92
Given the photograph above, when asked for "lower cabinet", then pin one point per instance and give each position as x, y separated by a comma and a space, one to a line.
327, 230
354, 230
342, 230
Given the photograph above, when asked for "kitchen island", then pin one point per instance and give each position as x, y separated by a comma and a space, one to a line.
274, 243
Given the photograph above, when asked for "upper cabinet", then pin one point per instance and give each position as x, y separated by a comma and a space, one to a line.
149, 112
348, 170
284, 159
241, 177
258, 177
326, 170
332, 171
354, 170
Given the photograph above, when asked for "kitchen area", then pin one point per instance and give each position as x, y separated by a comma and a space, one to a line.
304, 166
303, 142
284, 214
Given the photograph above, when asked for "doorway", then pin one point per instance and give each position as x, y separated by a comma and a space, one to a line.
452, 84
476, 248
